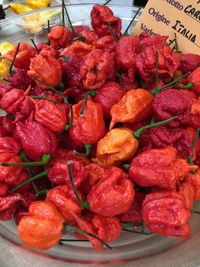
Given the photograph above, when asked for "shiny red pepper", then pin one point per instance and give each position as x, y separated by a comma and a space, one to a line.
24, 55
165, 214
36, 140
45, 69
59, 174
189, 62
89, 127
102, 20
59, 36
49, 115
65, 201
159, 167
113, 194
98, 67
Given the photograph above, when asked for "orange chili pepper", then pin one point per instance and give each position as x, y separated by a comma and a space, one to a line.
134, 106
187, 191
116, 146
42, 229
194, 179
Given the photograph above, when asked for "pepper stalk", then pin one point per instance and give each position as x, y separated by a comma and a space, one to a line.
139, 131
11, 71
45, 159
89, 93
83, 204
128, 27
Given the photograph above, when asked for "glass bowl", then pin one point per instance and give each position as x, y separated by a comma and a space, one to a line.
130, 246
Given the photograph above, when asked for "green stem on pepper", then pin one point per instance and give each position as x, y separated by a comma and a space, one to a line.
63, 12
194, 141
89, 93
70, 124
176, 44
33, 178
54, 90
87, 153
30, 169
69, 21
42, 192
35, 46
44, 98
11, 71
45, 159
126, 166
107, 2
127, 29
171, 83
64, 57
112, 31
73, 229
48, 26
187, 86
138, 132
83, 204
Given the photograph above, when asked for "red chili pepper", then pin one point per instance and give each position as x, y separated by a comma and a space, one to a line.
112, 195
159, 167
189, 62
7, 125
165, 214
45, 68
78, 48
65, 201
24, 55
20, 79
9, 144
59, 36
58, 173
95, 172
88, 35
133, 215
172, 102
44, 47
101, 18
106, 43
10, 174
168, 62
187, 191
97, 68
88, 127
49, 115
194, 78
162, 136
29, 132
108, 95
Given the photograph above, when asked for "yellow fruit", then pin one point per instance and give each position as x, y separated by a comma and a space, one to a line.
36, 4
19, 9
6, 47
4, 69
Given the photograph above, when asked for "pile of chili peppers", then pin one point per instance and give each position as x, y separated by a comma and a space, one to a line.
101, 135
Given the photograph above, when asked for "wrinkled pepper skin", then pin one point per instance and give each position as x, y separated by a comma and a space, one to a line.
45, 68
194, 78
133, 215
31, 133
108, 229
106, 43
24, 55
168, 62
194, 116
108, 95
189, 62
194, 180
77, 48
101, 16
20, 79
159, 167
116, 146
10, 175
165, 214
95, 172
65, 201
187, 191
98, 67
59, 36
59, 174
9, 144
134, 106
89, 127
49, 115
42, 229
172, 102
180, 138
112, 195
